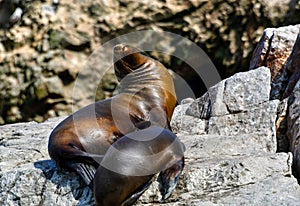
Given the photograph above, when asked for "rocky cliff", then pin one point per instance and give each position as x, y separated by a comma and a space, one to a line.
41, 55
241, 137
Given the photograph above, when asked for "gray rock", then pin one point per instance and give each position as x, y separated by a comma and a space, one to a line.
201, 107
224, 170
251, 194
28, 176
281, 127
293, 126
186, 124
237, 105
72, 40
258, 121
210, 178
235, 94
219, 170
245, 90
54, 86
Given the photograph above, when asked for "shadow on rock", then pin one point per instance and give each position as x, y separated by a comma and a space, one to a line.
66, 182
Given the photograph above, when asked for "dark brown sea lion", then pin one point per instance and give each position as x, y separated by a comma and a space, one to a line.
147, 97
129, 165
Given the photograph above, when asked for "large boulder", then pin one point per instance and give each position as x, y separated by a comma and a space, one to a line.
237, 170
237, 105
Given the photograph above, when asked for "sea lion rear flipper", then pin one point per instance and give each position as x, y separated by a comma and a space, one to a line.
133, 198
168, 179
87, 172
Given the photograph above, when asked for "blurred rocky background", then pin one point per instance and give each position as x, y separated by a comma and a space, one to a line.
46, 43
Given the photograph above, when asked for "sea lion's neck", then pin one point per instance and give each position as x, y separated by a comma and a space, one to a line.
152, 87
148, 75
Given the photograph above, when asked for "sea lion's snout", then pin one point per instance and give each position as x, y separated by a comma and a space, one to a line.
120, 49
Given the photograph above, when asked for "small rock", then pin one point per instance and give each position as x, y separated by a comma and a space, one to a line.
40, 90
73, 40
185, 124
54, 86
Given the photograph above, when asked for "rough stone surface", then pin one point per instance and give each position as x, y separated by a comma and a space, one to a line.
235, 94
219, 170
293, 67
28, 176
293, 126
239, 91
237, 105
279, 49
281, 127
192, 125
259, 120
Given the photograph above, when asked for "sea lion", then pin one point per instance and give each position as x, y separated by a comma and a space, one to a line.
147, 97
129, 165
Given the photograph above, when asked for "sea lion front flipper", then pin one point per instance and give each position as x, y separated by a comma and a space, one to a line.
133, 198
168, 179
142, 124
87, 172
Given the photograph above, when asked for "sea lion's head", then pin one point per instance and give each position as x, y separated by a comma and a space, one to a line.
127, 59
